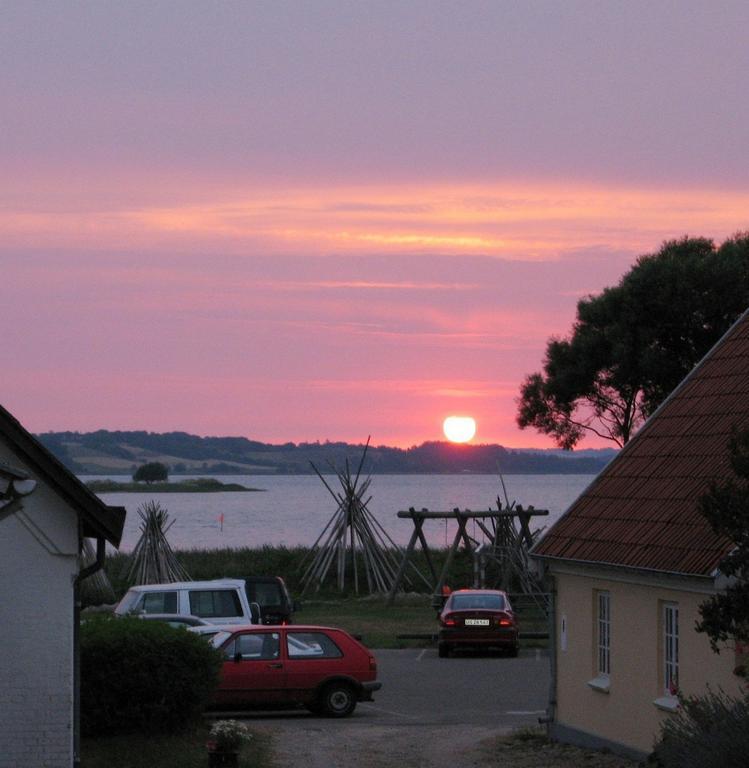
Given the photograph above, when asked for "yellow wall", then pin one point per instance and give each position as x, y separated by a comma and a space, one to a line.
626, 714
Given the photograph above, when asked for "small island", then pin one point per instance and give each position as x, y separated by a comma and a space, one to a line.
196, 485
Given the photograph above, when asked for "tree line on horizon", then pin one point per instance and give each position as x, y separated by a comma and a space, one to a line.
234, 455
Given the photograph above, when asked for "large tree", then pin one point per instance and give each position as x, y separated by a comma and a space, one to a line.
153, 472
632, 344
725, 615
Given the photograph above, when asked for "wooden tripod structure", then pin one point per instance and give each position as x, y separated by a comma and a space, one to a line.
354, 537
508, 549
153, 560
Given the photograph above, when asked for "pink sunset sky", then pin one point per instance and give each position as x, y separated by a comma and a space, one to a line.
300, 221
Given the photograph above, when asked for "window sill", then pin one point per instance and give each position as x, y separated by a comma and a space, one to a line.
600, 683
667, 703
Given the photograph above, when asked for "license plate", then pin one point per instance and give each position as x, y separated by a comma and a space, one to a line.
477, 622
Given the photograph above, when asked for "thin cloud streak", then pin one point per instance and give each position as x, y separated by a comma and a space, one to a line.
365, 285
493, 221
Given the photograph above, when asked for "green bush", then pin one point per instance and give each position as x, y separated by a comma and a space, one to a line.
143, 676
710, 731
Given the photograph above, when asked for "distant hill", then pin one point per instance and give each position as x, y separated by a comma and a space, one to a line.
105, 452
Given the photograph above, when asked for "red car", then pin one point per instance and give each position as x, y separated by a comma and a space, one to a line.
275, 667
478, 618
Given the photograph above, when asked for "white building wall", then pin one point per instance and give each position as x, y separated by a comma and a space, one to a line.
38, 562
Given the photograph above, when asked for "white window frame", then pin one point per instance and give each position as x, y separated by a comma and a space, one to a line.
670, 637
603, 618
601, 640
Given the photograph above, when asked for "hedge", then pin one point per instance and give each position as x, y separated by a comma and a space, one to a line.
143, 676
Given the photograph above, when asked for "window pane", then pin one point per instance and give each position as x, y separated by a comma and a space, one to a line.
310, 645
159, 602
671, 648
267, 594
604, 633
258, 645
211, 603
478, 602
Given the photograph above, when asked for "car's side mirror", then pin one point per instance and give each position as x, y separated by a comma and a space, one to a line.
237, 658
255, 613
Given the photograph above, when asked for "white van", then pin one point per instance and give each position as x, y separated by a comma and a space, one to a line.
222, 601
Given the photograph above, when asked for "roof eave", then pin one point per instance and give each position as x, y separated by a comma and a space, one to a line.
630, 568
626, 449
98, 519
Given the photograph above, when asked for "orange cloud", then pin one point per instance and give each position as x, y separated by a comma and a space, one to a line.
515, 221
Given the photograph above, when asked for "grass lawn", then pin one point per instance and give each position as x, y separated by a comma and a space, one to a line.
184, 750
371, 618
380, 625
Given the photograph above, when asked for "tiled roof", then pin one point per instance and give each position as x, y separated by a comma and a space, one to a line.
642, 510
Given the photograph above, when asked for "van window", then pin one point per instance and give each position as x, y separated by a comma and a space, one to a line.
267, 594
213, 603
159, 602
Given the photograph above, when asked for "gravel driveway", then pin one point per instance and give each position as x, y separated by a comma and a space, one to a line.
433, 713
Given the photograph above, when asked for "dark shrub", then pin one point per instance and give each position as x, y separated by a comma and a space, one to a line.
151, 472
143, 676
710, 731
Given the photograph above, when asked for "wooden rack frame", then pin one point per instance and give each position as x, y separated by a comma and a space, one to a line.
496, 524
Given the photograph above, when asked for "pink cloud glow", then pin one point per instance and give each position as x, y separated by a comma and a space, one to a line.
514, 221
284, 348
295, 221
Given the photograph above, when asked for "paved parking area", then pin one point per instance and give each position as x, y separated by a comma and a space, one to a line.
419, 687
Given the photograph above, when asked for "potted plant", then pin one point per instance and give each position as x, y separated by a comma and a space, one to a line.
225, 739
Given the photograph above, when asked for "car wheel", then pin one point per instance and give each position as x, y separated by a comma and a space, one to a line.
443, 650
337, 700
513, 652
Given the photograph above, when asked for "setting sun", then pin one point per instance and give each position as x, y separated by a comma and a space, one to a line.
459, 429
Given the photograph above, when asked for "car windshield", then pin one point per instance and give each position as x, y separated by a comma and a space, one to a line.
480, 602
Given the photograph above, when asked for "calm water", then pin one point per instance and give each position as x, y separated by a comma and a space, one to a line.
293, 510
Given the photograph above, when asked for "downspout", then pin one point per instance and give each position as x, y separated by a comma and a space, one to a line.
551, 707
84, 573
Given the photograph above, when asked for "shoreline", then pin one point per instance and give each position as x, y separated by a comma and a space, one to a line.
200, 485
